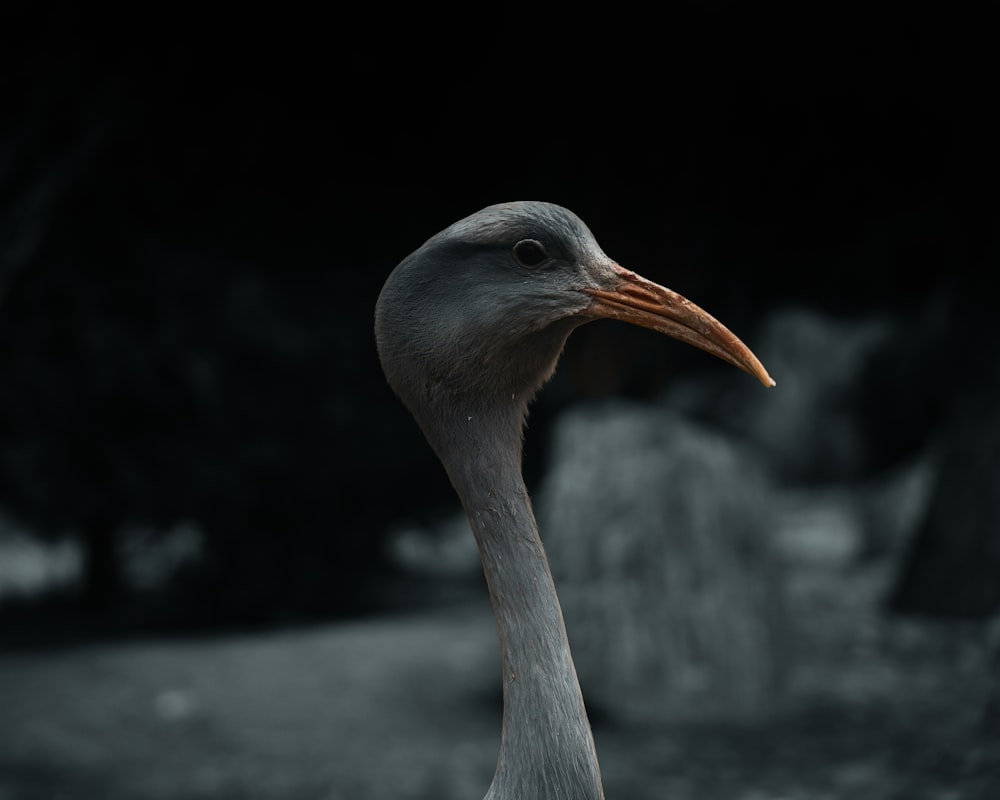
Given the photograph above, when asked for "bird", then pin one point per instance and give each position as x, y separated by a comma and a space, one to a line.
468, 327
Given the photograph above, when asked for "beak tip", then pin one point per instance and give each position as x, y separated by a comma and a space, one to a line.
764, 378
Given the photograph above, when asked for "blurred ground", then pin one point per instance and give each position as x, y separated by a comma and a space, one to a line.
408, 707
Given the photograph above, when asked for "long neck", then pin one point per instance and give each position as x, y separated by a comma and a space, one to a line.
547, 749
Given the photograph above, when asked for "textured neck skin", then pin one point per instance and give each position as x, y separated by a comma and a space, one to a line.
547, 749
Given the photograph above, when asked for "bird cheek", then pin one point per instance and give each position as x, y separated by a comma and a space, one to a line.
602, 274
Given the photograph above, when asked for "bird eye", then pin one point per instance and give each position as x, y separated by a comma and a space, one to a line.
530, 253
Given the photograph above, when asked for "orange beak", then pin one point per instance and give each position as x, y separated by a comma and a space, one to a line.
649, 305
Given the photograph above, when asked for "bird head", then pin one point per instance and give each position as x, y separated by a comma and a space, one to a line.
481, 311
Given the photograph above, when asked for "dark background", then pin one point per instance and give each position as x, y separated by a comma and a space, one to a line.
197, 213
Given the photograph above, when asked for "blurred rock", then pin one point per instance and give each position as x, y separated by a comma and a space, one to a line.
838, 524
151, 559
30, 566
953, 563
893, 502
445, 550
810, 424
657, 531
